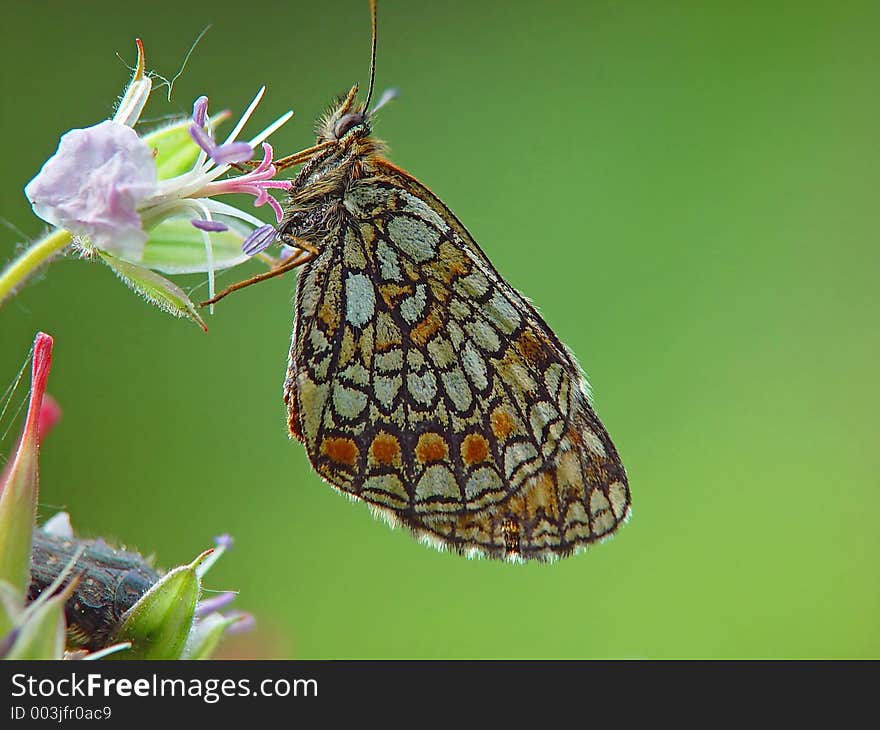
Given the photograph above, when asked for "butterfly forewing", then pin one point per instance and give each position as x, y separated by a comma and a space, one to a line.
422, 383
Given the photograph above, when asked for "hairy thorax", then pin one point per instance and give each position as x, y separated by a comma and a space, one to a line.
316, 198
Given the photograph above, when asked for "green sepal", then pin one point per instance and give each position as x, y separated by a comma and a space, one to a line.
154, 288
159, 624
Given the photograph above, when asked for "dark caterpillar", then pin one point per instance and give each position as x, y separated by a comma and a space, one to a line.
111, 582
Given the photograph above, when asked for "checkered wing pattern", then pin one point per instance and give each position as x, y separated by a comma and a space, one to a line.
422, 383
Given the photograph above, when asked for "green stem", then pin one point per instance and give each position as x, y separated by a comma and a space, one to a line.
25, 265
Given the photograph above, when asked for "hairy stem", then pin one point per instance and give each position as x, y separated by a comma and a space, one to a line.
31, 260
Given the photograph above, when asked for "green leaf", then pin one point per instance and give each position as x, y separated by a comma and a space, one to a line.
175, 246
159, 624
176, 152
154, 288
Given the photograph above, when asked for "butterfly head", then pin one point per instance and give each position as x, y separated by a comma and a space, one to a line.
344, 120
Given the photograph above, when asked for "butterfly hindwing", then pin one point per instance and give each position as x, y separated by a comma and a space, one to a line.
422, 383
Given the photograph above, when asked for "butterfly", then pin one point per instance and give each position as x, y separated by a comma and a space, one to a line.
419, 381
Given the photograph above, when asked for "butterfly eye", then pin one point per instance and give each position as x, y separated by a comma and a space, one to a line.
347, 122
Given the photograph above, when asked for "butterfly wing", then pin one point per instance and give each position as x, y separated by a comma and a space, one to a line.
422, 383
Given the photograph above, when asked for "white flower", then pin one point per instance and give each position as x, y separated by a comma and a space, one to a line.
115, 188
93, 185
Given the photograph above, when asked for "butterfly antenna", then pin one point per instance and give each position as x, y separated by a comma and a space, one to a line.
372, 55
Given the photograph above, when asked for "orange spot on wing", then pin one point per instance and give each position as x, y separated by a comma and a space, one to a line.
501, 422
431, 447
531, 346
385, 448
340, 450
426, 329
394, 293
474, 448
452, 263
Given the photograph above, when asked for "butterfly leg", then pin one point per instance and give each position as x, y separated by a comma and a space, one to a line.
298, 259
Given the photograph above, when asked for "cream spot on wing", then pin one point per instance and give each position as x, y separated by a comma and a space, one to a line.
412, 307
457, 389
318, 340
389, 264
423, 388
391, 361
575, 514
617, 493
474, 366
484, 479
418, 207
483, 334
455, 334
502, 313
415, 359
459, 309
365, 346
565, 394
385, 487
568, 473
312, 398
387, 333
437, 481
322, 366
360, 299
367, 199
353, 251
540, 415
516, 455
598, 502
347, 347
474, 285
552, 377
441, 352
415, 238
592, 442
348, 402
386, 388
356, 374
603, 522
515, 373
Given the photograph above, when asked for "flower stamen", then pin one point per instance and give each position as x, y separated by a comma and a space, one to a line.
259, 240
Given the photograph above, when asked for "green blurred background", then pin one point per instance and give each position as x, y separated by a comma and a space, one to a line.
689, 194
